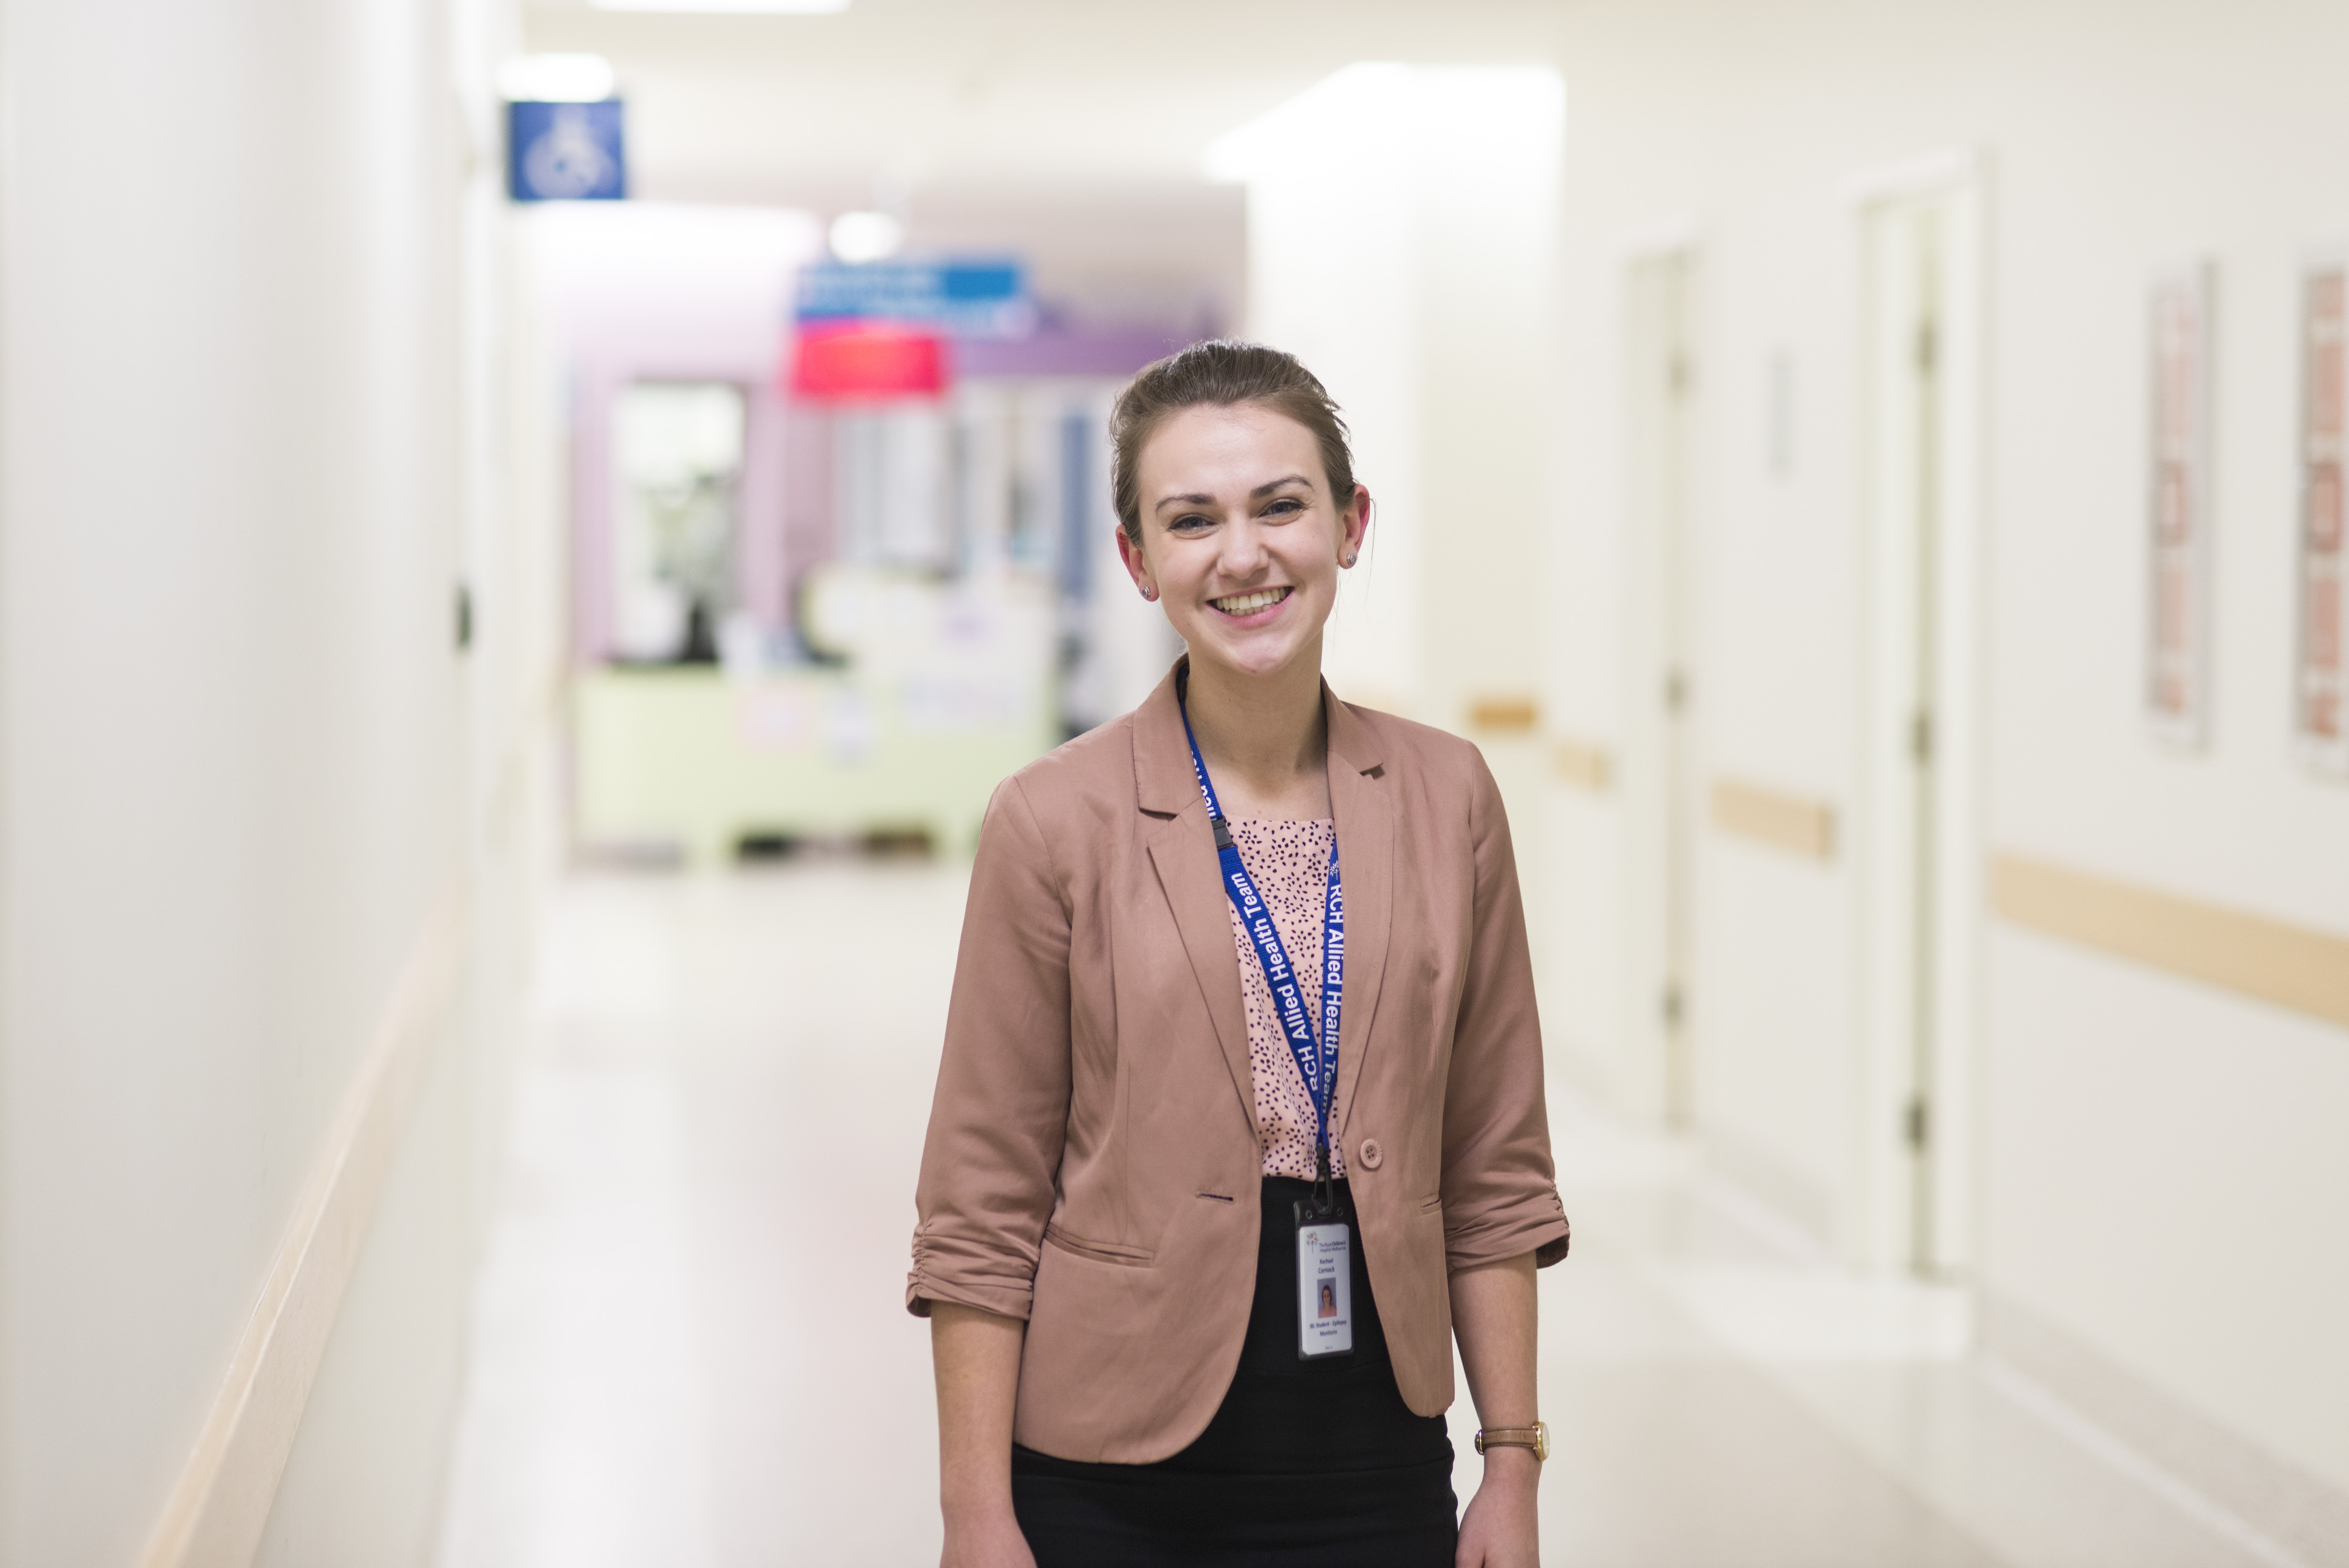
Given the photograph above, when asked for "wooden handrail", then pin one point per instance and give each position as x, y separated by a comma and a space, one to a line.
220, 1503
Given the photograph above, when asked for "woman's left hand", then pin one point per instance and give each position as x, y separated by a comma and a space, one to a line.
1501, 1528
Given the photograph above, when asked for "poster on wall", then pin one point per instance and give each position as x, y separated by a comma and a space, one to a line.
2177, 649
2318, 659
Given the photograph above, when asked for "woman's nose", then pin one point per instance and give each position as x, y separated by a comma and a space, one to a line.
1243, 553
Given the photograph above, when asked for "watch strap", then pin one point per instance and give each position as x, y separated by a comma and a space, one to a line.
1536, 1437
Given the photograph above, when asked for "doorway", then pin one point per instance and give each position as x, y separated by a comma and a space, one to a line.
1660, 761
678, 450
1916, 808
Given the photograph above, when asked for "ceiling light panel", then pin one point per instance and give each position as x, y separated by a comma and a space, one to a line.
556, 79
728, 7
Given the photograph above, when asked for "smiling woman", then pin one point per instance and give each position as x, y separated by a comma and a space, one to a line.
1235, 518
1198, 1094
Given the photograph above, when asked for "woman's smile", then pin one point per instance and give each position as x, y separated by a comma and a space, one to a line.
1255, 608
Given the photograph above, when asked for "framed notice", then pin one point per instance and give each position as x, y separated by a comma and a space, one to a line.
2317, 657
2177, 642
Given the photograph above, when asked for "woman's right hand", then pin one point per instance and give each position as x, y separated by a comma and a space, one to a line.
994, 1542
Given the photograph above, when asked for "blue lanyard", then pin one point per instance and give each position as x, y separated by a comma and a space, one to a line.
1317, 1058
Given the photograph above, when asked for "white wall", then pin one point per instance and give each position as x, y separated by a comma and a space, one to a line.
1401, 224
244, 365
2158, 1164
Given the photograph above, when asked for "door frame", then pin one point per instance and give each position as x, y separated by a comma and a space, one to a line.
1917, 839
1662, 445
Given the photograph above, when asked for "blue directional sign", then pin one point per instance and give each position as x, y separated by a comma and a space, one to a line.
981, 297
565, 151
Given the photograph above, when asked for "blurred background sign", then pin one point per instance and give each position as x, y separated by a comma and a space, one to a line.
854, 358
971, 298
565, 151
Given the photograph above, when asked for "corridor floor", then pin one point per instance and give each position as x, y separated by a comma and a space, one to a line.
690, 1351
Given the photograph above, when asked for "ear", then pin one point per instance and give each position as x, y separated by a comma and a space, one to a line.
1135, 566
1356, 526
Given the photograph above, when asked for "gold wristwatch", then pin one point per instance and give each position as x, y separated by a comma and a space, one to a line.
1536, 1437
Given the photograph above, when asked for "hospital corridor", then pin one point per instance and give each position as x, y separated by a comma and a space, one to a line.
621, 623
694, 1126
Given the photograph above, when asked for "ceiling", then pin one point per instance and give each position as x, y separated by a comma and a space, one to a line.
1072, 129
919, 92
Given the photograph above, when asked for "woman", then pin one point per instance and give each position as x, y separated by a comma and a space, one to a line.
1243, 1013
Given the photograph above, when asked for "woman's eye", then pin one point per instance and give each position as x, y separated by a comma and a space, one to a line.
1190, 523
1287, 506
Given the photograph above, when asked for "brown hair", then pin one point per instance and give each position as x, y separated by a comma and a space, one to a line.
1221, 374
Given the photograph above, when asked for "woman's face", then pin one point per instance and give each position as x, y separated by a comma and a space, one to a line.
1241, 539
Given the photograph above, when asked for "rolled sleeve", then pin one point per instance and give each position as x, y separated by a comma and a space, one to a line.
1500, 1191
999, 1116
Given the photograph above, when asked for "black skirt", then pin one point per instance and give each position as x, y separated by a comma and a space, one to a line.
1306, 1463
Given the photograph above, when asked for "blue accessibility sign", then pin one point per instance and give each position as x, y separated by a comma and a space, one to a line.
565, 151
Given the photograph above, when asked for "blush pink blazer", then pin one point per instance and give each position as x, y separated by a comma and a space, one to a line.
1093, 1162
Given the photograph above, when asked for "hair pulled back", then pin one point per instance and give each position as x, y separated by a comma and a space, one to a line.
1221, 373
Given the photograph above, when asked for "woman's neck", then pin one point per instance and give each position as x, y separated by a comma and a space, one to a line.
1264, 738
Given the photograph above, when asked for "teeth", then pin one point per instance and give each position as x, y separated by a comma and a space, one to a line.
1248, 604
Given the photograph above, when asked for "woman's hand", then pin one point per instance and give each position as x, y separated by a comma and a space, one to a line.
1501, 1528
991, 1542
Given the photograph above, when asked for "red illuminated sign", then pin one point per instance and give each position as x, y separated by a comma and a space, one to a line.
859, 359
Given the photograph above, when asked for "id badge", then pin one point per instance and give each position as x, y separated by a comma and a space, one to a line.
1325, 1299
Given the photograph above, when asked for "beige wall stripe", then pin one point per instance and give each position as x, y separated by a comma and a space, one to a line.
1788, 821
220, 1501
2291, 966
1506, 710
1583, 766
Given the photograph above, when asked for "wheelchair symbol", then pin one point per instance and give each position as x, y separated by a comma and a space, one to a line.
566, 162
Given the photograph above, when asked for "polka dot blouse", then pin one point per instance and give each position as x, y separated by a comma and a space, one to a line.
1289, 863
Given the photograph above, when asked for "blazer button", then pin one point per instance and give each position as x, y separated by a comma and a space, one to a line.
1372, 1155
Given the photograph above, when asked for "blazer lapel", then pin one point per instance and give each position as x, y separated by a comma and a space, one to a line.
1183, 851
1365, 817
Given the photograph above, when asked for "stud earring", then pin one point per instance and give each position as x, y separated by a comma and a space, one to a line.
1348, 560
1149, 594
